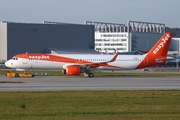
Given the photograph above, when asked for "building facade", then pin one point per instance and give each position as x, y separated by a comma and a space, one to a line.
16, 38
111, 38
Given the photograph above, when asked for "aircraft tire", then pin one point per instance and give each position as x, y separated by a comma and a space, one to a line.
16, 75
91, 75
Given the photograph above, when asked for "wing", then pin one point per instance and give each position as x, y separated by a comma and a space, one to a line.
94, 65
87, 64
77, 68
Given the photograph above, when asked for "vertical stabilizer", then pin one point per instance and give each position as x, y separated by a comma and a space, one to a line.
158, 53
162, 46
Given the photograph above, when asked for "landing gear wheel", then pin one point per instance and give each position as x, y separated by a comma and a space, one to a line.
16, 75
33, 75
91, 75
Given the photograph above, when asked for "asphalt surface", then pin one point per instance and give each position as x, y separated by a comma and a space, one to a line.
58, 83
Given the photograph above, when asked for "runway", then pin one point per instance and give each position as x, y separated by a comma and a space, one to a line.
59, 83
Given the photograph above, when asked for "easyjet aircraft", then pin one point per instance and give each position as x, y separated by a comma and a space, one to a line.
74, 64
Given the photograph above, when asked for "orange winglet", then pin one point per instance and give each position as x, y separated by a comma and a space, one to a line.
114, 58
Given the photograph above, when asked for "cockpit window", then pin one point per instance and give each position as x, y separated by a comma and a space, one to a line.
14, 58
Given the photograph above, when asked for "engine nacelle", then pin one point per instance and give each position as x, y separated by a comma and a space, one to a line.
73, 70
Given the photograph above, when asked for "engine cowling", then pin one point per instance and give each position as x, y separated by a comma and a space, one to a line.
73, 70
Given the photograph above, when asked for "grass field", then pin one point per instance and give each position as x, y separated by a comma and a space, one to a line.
91, 105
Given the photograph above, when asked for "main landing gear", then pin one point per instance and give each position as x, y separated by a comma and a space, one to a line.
91, 75
88, 73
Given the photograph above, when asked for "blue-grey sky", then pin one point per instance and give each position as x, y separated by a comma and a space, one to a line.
78, 11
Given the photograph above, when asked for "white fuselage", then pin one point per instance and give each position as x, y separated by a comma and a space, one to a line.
121, 62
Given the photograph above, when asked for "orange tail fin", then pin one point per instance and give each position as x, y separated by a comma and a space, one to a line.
161, 48
158, 53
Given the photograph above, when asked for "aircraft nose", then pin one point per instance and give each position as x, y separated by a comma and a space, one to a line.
7, 64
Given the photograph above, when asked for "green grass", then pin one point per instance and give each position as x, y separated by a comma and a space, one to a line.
91, 105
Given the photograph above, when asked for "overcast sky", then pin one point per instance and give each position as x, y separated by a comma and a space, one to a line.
78, 11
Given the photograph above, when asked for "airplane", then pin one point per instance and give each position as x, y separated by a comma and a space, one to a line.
74, 64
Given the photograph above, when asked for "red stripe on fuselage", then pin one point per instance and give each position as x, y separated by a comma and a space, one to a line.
54, 58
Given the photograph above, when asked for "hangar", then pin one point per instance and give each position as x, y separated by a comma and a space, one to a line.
16, 38
136, 35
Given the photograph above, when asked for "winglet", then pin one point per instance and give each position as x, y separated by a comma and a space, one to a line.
114, 58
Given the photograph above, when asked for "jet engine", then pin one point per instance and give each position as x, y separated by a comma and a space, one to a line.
73, 70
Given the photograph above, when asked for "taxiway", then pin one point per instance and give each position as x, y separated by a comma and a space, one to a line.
58, 83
